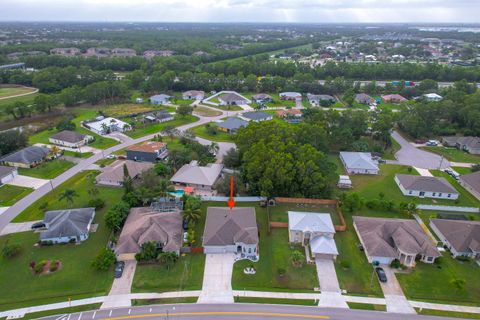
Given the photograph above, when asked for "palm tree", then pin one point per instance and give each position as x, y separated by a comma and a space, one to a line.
93, 192
105, 128
68, 195
411, 209
213, 148
192, 215
167, 258
55, 150
297, 258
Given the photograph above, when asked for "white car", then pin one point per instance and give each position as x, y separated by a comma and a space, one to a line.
111, 156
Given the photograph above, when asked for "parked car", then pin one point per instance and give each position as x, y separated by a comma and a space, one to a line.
185, 224
420, 141
119, 266
432, 143
111, 156
381, 274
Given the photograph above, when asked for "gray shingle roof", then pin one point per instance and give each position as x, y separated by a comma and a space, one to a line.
233, 123
27, 155
5, 171
473, 180
114, 172
363, 98
67, 223
381, 237
462, 235
422, 183
256, 115
231, 97
68, 136
227, 227
192, 173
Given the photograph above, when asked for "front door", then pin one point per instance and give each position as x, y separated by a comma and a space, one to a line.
239, 249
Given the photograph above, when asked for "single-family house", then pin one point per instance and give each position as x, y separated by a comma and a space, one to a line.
113, 175
393, 98
319, 99
63, 226
160, 99
462, 238
471, 182
313, 230
193, 95
148, 151
432, 97
232, 99
145, 225
385, 239
359, 162
262, 98
7, 174
425, 187
231, 231
70, 139
364, 98
291, 115
468, 144
198, 177
27, 157
158, 116
123, 52
295, 96
232, 125
103, 125
256, 116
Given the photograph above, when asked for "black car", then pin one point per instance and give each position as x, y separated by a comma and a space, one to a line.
381, 274
119, 266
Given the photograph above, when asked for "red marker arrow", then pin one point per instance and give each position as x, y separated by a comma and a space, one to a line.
231, 203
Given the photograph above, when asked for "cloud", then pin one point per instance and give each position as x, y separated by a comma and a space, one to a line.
242, 10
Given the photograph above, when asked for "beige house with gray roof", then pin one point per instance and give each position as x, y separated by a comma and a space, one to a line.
425, 187
201, 178
387, 239
471, 182
231, 231
462, 238
113, 175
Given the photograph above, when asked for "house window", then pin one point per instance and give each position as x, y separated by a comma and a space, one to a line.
448, 195
440, 194
429, 259
249, 250
434, 194
410, 192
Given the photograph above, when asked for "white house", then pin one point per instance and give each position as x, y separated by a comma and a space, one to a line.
432, 97
461, 237
425, 187
359, 162
160, 99
70, 139
7, 174
106, 125
231, 231
193, 95
313, 230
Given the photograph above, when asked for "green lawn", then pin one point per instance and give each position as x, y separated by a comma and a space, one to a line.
9, 195
28, 99
227, 108
206, 112
146, 302
367, 306
431, 283
81, 183
186, 274
77, 154
159, 127
48, 169
12, 91
440, 313
76, 279
453, 154
303, 302
279, 103
462, 170
275, 252
220, 136
389, 154
466, 199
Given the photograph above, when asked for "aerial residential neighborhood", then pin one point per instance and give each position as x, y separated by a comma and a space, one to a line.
239, 170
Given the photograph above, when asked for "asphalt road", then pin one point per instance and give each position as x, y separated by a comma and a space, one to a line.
235, 311
24, 203
381, 83
410, 156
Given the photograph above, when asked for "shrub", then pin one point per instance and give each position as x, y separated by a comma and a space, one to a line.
395, 264
281, 272
96, 203
32, 264
104, 259
54, 266
439, 261
11, 250
148, 251
345, 264
43, 207
463, 258
39, 267
459, 284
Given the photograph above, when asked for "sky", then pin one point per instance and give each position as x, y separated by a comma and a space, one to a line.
289, 11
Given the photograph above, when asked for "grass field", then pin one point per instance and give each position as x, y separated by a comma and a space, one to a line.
466, 198
28, 99
453, 154
159, 127
76, 278
228, 108
302, 302
220, 136
48, 169
9, 195
440, 313
186, 274
431, 283
206, 112
146, 302
77, 154
6, 92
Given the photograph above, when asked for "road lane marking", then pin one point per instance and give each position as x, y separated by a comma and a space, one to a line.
224, 313
93, 315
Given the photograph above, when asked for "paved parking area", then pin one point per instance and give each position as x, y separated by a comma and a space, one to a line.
394, 297
217, 279
27, 182
327, 276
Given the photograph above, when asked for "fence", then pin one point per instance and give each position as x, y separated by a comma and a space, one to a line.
237, 199
447, 208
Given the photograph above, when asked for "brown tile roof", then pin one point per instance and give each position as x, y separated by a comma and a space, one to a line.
148, 146
226, 227
283, 113
381, 237
144, 225
462, 235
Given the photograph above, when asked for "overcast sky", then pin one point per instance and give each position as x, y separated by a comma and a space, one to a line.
242, 10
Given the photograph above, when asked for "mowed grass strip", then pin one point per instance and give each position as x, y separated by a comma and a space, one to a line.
48, 169
9, 194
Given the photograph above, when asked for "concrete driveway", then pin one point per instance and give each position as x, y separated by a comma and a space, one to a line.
121, 286
410, 156
27, 182
327, 276
394, 297
217, 279
18, 227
